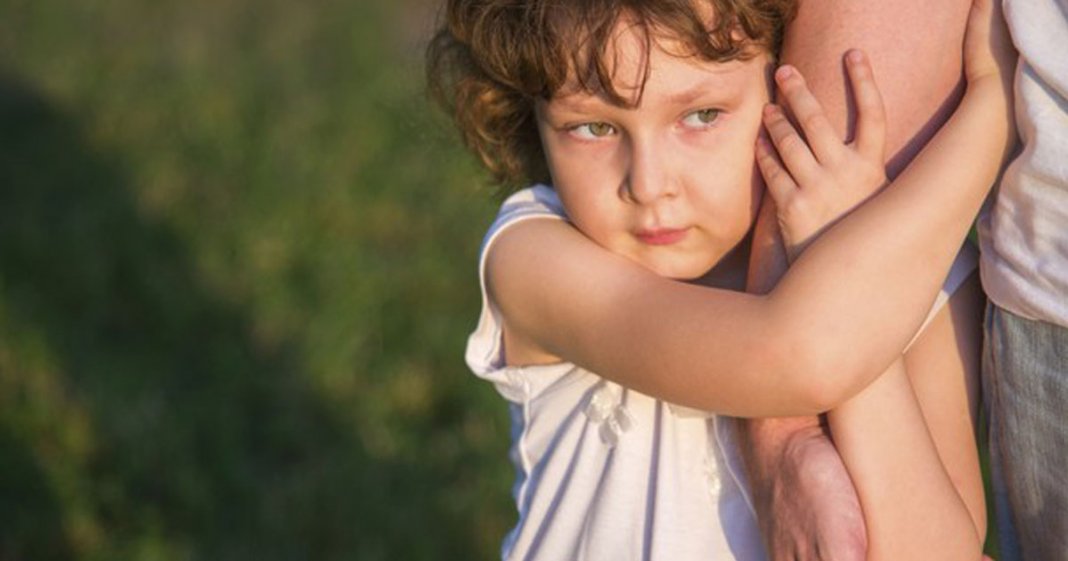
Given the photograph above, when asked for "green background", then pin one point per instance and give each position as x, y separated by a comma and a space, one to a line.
237, 272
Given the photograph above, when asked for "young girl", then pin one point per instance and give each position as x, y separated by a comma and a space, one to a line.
646, 117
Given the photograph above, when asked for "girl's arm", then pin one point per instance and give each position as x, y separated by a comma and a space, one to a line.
804, 496
819, 337
911, 507
912, 45
943, 368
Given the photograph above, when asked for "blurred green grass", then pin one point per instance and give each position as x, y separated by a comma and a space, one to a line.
237, 272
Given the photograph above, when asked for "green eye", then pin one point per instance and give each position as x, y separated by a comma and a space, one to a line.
702, 117
593, 130
600, 129
708, 115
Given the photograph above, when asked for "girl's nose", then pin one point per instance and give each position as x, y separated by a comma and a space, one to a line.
648, 177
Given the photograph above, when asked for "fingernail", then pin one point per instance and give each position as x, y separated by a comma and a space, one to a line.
770, 109
784, 72
855, 55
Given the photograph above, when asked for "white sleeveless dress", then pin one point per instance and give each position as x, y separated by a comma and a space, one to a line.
605, 472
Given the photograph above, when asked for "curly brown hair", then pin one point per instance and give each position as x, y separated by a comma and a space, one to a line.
491, 60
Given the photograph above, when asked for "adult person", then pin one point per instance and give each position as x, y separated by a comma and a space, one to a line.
1024, 239
806, 503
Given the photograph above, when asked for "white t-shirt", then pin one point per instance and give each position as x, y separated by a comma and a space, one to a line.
604, 472
1024, 234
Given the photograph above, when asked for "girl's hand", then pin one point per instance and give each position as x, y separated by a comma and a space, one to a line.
815, 183
988, 50
990, 60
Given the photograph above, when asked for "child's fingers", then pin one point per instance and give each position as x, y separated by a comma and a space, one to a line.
977, 57
822, 138
778, 181
871, 114
988, 47
791, 148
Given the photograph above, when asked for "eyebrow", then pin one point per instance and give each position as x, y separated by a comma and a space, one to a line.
691, 95
716, 82
578, 102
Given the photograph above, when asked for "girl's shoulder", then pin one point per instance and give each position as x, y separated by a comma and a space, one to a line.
486, 345
530, 232
538, 201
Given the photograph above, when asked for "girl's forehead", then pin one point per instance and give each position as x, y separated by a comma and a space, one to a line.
634, 54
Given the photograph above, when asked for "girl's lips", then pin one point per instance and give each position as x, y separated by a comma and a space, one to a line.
662, 236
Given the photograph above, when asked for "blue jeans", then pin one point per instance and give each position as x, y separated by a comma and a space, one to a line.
1025, 389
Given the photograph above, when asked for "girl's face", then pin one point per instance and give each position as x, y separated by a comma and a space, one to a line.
671, 183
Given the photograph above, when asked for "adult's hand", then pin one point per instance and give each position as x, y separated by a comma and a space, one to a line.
806, 505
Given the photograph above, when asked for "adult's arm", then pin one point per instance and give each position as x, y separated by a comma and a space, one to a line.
914, 47
915, 51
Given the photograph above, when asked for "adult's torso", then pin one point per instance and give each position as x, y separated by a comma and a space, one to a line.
1024, 234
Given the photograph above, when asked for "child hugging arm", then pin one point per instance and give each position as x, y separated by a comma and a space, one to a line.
805, 501
562, 295
912, 507
646, 118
